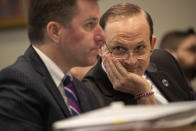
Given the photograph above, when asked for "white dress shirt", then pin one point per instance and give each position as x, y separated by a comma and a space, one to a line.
158, 95
55, 72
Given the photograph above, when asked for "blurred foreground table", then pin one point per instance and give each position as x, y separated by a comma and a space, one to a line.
179, 116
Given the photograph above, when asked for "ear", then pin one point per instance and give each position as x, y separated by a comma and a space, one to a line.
154, 39
54, 31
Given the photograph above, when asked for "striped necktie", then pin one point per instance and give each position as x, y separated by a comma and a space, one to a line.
71, 96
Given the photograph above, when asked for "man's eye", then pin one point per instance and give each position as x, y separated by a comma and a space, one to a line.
90, 25
119, 49
140, 47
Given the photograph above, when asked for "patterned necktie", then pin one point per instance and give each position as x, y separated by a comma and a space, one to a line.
71, 96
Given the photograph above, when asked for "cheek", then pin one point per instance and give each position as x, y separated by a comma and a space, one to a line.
76, 35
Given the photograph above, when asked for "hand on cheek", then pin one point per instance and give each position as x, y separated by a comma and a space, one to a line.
121, 79
115, 72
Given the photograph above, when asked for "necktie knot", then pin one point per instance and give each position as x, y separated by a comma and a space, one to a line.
67, 80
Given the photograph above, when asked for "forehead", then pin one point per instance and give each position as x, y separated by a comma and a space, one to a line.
131, 28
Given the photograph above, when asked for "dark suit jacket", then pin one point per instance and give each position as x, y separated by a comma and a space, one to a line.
163, 70
29, 98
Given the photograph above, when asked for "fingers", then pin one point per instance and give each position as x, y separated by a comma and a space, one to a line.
115, 64
120, 68
121, 79
111, 70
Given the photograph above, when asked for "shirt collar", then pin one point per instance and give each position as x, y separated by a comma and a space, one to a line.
103, 67
55, 72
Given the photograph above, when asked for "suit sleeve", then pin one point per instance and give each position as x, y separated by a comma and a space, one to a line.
18, 105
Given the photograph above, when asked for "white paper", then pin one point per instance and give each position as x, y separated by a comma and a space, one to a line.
169, 115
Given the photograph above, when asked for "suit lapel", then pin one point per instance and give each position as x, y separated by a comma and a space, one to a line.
81, 94
104, 83
56, 94
164, 83
47, 79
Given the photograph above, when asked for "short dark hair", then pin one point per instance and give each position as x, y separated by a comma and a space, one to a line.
172, 40
125, 9
41, 12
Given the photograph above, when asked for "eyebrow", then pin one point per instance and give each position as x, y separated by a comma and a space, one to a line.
141, 42
92, 19
121, 42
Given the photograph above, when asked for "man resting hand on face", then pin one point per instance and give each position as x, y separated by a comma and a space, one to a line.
129, 70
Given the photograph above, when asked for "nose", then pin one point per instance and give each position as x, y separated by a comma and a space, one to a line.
99, 34
131, 59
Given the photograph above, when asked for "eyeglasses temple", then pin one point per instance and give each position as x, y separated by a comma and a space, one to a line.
104, 42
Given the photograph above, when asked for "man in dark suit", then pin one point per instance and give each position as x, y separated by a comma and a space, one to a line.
64, 34
129, 70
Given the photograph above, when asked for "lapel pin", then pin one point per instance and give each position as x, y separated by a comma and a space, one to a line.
165, 82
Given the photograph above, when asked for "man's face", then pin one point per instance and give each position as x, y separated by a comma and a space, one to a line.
186, 55
131, 34
85, 34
